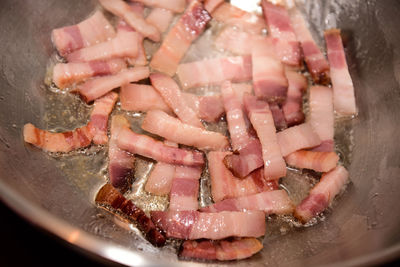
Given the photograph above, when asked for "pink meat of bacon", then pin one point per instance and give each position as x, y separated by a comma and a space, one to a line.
224, 185
344, 101
316, 62
222, 250
211, 5
208, 107
261, 118
121, 163
286, 45
67, 74
185, 189
94, 30
124, 11
151, 148
269, 80
125, 44
196, 225
160, 18
235, 40
160, 123
96, 87
270, 202
322, 194
178, 40
278, 116
296, 138
214, 71
321, 116
177, 6
172, 95
313, 160
293, 106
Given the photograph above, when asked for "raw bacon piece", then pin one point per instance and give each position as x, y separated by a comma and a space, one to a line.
120, 163
151, 148
141, 58
278, 116
322, 194
174, 5
321, 116
214, 71
269, 79
211, 5
136, 21
94, 30
296, 138
189, 26
325, 146
344, 100
224, 185
125, 44
235, 41
286, 45
208, 108
195, 225
313, 160
293, 106
270, 202
222, 250
160, 18
97, 87
316, 62
261, 118
111, 198
172, 129
67, 74
172, 95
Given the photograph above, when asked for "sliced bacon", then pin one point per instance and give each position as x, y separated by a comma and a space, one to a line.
321, 116
136, 21
108, 196
293, 106
94, 30
120, 163
160, 18
97, 87
151, 148
208, 108
177, 6
222, 250
224, 185
278, 116
344, 100
211, 5
316, 62
235, 40
172, 95
269, 80
286, 45
313, 160
67, 74
261, 118
141, 58
178, 40
125, 44
172, 129
214, 71
322, 194
296, 138
195, 225
325, 146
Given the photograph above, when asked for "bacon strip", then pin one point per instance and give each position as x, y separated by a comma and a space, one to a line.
296, 138
113, 199
211, 5
316, 62
177, 6
278, 116
214, 71
322, 194
317, 161
172, 129
160, 18
235, 40
151, 148
96, 87
293, 106
195, 225
94, 30
136, 21
286, 45
178, 40
125, 44
208, 108
344, 100
222, 250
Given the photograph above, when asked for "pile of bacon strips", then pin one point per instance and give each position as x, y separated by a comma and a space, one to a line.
262, 83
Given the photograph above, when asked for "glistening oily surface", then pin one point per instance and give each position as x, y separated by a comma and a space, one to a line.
361, 219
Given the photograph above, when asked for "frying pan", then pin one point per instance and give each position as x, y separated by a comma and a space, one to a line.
364, 227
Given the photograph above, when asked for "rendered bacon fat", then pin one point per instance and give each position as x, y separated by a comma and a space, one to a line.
222, 250
313, 160
190, 25
322, 194
293, 105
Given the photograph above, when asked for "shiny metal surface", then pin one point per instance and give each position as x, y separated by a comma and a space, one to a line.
362, 230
